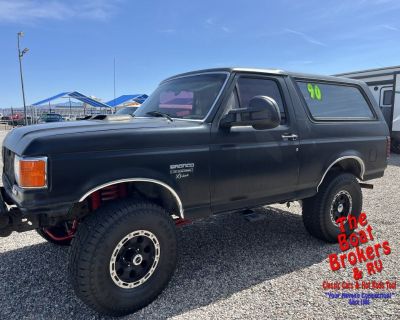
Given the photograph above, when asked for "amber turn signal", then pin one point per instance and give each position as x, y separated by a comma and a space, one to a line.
31, 172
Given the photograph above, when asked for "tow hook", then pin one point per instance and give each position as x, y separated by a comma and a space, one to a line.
12, 219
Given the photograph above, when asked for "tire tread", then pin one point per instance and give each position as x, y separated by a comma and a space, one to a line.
105, 219
314, 208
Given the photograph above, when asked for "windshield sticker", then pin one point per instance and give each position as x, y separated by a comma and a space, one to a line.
314, 91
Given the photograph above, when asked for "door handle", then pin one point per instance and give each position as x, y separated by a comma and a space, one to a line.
290, 137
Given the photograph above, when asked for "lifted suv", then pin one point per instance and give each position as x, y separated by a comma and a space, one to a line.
205, 142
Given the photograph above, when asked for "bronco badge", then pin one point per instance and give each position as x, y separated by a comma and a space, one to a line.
181, 170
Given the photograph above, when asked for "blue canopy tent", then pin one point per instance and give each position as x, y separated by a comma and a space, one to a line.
76, 95
84, 100
139, 98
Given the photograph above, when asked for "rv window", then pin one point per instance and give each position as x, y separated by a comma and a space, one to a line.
335, 101
387, 97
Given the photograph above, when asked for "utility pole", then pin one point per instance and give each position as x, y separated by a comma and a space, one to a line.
114, 89
70, 108
20, 55
114, 79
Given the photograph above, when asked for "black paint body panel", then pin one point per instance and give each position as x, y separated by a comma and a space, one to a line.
233, 169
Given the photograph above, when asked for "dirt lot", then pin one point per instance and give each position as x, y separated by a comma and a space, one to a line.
228, 268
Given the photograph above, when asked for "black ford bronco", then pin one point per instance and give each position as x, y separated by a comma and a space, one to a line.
115, 187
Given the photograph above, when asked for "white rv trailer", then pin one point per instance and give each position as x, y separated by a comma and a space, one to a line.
385, 86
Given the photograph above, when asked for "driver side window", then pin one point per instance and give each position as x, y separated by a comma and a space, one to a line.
247, 88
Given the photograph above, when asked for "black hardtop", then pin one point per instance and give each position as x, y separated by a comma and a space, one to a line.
272, 71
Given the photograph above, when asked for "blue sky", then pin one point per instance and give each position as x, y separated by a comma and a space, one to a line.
73, 43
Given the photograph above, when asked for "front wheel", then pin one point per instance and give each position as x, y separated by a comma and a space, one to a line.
339, 196
123, 256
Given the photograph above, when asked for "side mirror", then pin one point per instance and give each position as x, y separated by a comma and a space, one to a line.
262, 113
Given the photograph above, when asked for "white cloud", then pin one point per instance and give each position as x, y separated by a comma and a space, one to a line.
389, 27
170, 30
305, 37
225, 29
211, 23
20, 11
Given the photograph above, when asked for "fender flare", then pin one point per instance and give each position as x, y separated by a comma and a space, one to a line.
163, 184
358, 159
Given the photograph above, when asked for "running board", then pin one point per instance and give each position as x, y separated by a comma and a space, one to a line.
252, 216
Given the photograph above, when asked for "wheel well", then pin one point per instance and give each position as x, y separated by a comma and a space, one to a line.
350, 164
146, 189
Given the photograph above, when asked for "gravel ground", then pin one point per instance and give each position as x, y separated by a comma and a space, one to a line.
228, 268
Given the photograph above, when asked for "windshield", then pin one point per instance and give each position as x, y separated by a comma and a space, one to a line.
126, 110
188, 97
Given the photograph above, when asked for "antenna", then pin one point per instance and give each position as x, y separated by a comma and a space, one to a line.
114, 81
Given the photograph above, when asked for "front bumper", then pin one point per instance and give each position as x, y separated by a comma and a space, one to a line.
12, 219
32, 201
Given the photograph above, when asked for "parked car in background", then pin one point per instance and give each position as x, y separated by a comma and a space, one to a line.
51, 117
16, 119
69, 118
84, 117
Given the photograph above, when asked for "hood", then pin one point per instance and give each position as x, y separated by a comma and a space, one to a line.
89, 135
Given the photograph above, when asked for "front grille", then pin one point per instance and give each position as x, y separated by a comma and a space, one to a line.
8, 165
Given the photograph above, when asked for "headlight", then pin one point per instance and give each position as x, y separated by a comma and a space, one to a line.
31, 172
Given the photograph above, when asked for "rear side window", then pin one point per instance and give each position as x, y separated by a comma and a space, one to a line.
335, 102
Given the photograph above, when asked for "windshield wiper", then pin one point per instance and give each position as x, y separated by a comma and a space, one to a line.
160, 114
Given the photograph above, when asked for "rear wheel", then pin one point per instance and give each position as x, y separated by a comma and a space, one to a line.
339, 196
123, 256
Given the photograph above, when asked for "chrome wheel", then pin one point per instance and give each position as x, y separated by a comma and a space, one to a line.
134, 259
